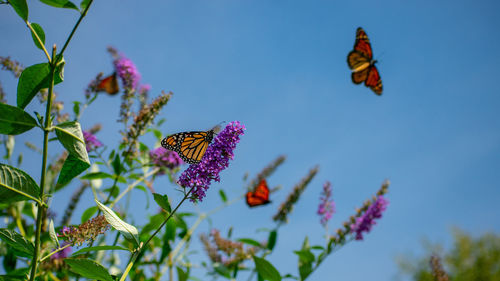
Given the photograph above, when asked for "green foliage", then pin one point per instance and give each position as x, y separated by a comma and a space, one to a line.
16, 185
21, 8
33, 79
128, 231
60, 4
40, 33
14, 120
266, 270
162, 201
88, 269
21, 246
470, 259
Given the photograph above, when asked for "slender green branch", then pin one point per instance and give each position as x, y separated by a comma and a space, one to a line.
41, 207
39, 41
55, 251
75, 27
143, 246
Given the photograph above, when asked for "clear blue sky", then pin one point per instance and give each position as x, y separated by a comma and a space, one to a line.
280, 68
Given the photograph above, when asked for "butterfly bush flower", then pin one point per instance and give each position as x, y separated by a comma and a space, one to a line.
225, 251
437, 269
85, 232
216, 158
127, 71
64, 253
326, 206
162, 157
91, 142
287, 206
365, 222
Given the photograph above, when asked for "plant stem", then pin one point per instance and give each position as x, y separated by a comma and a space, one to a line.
135, 256
56, 251
75, 27
41, 207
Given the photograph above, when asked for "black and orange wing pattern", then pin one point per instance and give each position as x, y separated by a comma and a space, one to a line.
361, 62
260, 195
109, 85
191, 146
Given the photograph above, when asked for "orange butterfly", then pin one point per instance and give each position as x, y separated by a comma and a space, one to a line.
361, 62
260, 195
190, 146
109, 85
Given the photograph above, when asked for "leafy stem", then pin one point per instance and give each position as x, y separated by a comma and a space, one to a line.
83, 14
135, 256
41, 207
55, 251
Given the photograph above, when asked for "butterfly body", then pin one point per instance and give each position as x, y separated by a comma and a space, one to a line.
362, 64
260, 195
191, 146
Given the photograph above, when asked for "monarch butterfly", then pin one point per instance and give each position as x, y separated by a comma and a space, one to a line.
361, 62
190, 146
109, 85
260, 195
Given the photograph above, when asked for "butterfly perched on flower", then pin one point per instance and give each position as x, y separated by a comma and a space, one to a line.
361, 62
259, 196
190, 146
109, 85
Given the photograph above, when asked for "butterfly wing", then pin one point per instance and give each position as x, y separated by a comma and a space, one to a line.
191, 146
360, 76
109, 85
362, 44
373, 80
260, 196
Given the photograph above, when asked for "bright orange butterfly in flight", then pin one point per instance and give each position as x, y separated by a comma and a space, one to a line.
109, 85
260, 195
361, 62
190, 146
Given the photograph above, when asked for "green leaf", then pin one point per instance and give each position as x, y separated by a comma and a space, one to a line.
71, 137
76, 108
98, 248
306, 259
84, 4
53, 235
71, 168
87, 214
89, 269
21, 8
183, 276
271, 241
128, 231
250, 242
33, 79
14, 120
117, 166
95, 176
266, 269
41, 34
162, 201
16, 185
60, 4
223, 195
18, 242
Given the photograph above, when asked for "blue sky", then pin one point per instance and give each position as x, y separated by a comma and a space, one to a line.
280, 68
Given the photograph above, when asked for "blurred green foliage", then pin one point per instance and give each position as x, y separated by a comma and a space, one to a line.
469, 259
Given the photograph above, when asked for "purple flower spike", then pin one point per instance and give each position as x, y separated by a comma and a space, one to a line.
162, 157
128, 72
365, 222
216, 158
326, 206
91, 141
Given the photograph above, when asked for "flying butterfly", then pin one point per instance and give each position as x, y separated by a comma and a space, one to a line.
190, 146
109, 85
361, 62
260, 195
